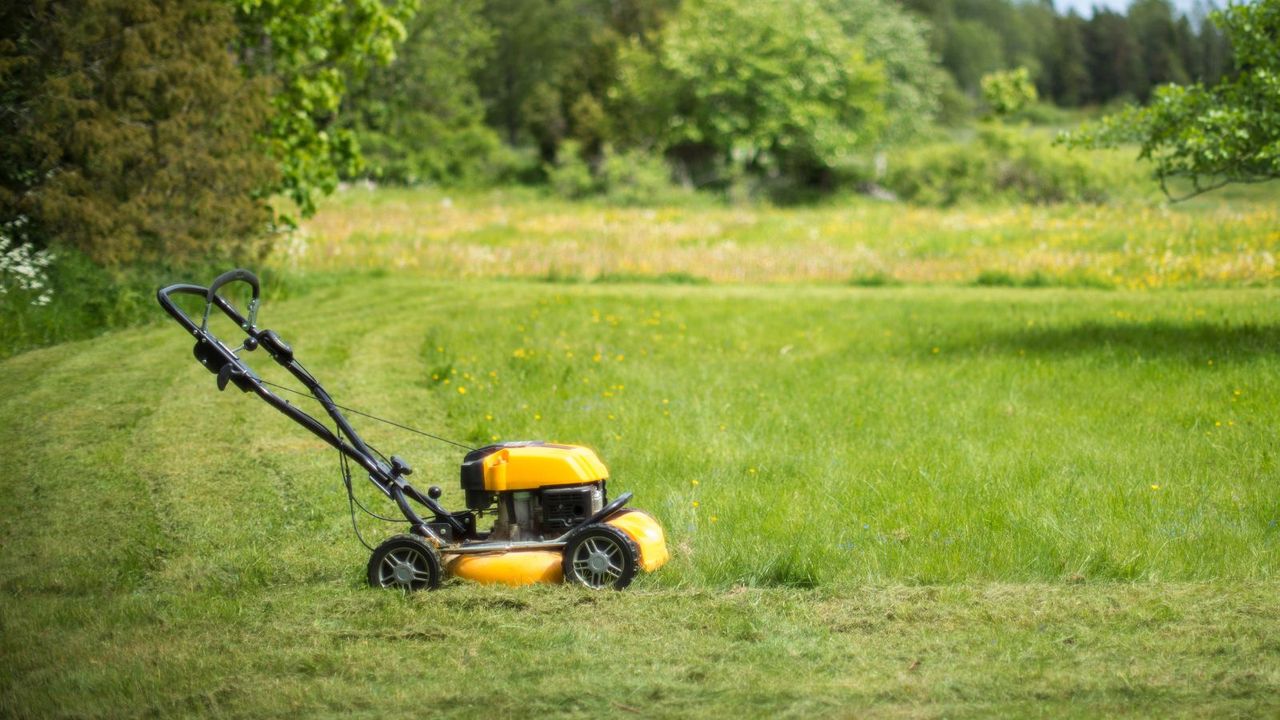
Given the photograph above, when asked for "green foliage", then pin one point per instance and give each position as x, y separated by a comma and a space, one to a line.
128, 134
896, 42
571, 176
552, 63
974, 49
1000, 164
309, 49
420, 119
1212, 136
625, 178
634, 177
774, 86
1008, 91
1072, 60
84, 300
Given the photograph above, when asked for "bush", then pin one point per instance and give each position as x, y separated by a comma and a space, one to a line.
508, 165
999, 164
71, 298
634, 178
571, 176
627, 178
1008, 91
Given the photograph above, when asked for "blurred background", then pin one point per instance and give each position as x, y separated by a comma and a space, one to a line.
144, 138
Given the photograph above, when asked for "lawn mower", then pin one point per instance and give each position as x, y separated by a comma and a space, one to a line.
554, 520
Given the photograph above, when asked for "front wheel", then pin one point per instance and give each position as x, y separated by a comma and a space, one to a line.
601, 556
405, 562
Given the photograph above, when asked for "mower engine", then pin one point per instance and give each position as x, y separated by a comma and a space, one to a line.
538, 490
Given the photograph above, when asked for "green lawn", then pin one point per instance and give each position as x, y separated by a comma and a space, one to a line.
902, 501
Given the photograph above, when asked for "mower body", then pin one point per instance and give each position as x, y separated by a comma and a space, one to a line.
541, 492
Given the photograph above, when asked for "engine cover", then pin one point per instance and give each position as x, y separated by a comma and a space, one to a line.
529, 465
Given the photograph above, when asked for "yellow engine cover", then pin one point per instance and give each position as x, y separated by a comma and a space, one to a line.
536, 466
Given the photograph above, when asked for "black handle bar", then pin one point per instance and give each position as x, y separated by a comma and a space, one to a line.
163, 295
232, 276
222, 360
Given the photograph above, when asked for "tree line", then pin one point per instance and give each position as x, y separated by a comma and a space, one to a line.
166, 131
1073, 60
475, 80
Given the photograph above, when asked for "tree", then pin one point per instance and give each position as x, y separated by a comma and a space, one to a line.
1156, 32
420, 118
1212, 135
534, 43
128, 133
896, 42
1115, 59
972, 50
1069, 75
771, 86
554, 62
310, 49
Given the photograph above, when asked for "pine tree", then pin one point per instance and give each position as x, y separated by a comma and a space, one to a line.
1114, 58
128, 132
1069, 73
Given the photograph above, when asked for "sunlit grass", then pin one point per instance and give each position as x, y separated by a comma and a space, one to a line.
910, 462
901, 500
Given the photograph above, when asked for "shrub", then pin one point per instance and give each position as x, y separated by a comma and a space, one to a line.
1008, 91
571, 176
70, 298
627, 178
634, 177
998, 164
771, 86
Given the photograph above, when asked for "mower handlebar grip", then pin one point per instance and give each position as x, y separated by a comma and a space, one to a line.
163, 295
232, 276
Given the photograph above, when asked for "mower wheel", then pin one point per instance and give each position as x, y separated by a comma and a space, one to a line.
601, 556
405, 562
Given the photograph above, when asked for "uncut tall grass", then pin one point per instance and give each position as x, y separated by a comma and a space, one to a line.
834, 436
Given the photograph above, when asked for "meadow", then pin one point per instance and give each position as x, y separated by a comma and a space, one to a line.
1229, 239
931, 495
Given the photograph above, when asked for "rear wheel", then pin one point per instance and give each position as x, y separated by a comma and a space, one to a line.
405, 562
602, 556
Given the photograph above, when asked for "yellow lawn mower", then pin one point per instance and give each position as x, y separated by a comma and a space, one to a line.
554, 521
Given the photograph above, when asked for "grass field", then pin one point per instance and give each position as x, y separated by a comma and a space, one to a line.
917, 501
1228, 239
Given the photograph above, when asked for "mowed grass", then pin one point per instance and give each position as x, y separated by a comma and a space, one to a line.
919, 501
1228, 239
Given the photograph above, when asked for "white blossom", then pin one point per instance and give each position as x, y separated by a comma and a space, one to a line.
22, 266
